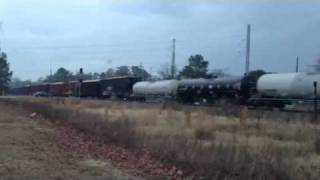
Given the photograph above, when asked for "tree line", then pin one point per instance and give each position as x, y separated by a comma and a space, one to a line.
197, 67
64, 75
5, 73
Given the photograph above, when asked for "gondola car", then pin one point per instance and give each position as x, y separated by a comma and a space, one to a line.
117, 87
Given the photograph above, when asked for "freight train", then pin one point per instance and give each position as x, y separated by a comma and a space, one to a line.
115, 87
256, 88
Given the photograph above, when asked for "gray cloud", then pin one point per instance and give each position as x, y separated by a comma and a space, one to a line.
94, 33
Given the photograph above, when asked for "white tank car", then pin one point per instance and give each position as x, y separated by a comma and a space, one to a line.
288, 85
166, 88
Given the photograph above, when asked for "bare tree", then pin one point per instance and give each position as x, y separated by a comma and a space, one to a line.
317, 65
164, 72
216, 73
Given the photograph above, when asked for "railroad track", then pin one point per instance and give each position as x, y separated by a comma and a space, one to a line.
216, 106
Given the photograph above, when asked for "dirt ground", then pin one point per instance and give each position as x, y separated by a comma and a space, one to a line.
28, 151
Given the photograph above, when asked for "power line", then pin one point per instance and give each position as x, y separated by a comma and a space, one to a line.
297, 64
116, 45
92, 50
81, 46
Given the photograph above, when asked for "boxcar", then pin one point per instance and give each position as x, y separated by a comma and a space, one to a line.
39, 88
58, 89
24, 90
72, 88
89, 88
117, 87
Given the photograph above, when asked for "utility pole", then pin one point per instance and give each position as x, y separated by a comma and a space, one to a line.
50, 69
297, 64
0, 31
141, 67
315, 101
173, 66
151, 73
248, 49
80, 80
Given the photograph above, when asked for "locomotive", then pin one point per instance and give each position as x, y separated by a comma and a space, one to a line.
256, 88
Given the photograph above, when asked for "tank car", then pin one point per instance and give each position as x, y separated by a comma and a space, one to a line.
147, 90
279, 89
208, 90
288, 85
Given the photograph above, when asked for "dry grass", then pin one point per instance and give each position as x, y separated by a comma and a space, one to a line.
28, 150
210, 143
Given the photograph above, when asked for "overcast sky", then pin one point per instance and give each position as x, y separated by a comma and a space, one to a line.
98, 34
